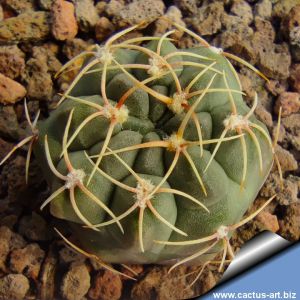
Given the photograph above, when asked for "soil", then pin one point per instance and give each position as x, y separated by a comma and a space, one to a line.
38, 36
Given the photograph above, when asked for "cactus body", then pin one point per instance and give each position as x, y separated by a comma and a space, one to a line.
189, 140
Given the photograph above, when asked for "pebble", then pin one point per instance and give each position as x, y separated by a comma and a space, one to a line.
295, 77
68, 255
263, 9
45, 4
243, 10
20, 6
64, 25
106, 286
34, 228
289, 103
207, 20
104, 28
12, 62
290, 225
14, 286
267, 221
30, 26
86, 14
286, 159
28, 260
76, 282
39, 83
10, 90
139, 11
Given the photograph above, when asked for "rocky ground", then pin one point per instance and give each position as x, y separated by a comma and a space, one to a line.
38, 36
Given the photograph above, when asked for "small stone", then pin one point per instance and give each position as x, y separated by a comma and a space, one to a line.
289, 103
86, 14
12, 61
263, 115
20, 6
75, 47
187, 6
106, 286
34, 228
286, 159
158, 284
139, 11
103, 29
282, 8
286, 195
9, 126
295, 77
100, 7
207, 20
64, 25
263, 9
292, 124
68, 255
10, 90
5, 237
47, 56
47, 276
38, 81
290, 223
243, 10
76, 282
267, 221
276, 87
162, 25
28, 259
30, 26
1, 13
13, 286
113, 7
45, 4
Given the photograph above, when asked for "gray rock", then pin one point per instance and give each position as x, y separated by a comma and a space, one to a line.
86, 14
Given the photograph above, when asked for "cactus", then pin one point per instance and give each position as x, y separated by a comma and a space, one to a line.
152, 155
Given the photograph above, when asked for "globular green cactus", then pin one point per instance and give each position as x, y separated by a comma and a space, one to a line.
152, 154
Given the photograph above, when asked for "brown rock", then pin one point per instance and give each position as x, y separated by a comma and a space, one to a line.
13, 286
38, 81
20, 6
86, 14
290, 224
263, 115
68, 255
207, 20
282, 8
291, 25
243, 10
10, 90
74, 47
103, 29
286, 159
286, 195
158, 284
106, 286
12, 62
139, 11
5, 237
292, 124
29, 26
295, 77
34, 228
267, 221
263, 9
47, 277
29, 258
276, 87
289, 103
64, 25
76, 282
